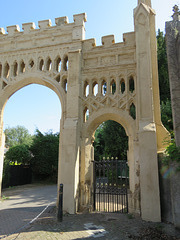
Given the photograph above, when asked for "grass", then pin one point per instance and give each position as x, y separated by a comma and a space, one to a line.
130, 216
4, 198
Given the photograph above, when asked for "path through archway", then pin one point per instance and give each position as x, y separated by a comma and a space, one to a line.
34, 106
111, 171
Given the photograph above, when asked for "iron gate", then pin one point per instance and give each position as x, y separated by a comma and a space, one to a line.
111, 180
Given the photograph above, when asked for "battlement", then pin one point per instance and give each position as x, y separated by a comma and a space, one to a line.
109, 41
79, 23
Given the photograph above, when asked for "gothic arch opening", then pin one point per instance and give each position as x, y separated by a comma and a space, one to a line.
6, 70
43, 111
15, 69
22, 67
122, 86
103, 87
113, 86
128, 153
95, 88
111, 171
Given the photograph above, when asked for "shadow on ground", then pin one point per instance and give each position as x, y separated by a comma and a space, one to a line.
94, 225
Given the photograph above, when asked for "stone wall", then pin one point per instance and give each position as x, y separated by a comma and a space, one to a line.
173, 54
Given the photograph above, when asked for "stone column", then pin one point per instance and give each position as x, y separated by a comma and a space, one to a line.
70, 137
134, 179
149, 181
86, 175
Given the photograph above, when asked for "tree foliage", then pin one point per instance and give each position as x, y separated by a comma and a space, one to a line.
110, 141
166, 115
172, 154
44, 151
18, 154
163, 67
17, 135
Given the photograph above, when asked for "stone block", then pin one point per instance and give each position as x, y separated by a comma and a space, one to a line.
27, 27
108, 40
89, 43
129, 38
2, 31
44, 24
80, 19
61, 21
13, 29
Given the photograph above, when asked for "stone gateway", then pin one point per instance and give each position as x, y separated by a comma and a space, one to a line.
77, 70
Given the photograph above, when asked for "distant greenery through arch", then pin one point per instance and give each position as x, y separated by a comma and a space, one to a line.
110, 141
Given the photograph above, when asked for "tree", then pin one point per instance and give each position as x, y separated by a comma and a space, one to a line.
44, 151
162, 67
18, 154
165, 98
110, 141
17, 135
166, 115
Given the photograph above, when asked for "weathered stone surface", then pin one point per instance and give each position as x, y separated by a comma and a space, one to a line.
60, 58
173, 53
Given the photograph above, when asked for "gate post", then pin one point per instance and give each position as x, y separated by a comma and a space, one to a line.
86, 175
148, 111
69, 148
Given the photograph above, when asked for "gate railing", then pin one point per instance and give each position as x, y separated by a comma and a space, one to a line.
111, 181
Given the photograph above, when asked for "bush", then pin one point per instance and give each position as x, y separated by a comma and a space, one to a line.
18, 154
172, 154
6, 174
44, 160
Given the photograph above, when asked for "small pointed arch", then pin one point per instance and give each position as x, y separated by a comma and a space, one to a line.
22, 67
131, 84
64, 83
122, 85
58, 64
0, 70
132, 111
95, 88
48, 64
6, 70
86, 88
113, 86
65, 63
85, 114
31, 63
41, 65
103, 87
15, 69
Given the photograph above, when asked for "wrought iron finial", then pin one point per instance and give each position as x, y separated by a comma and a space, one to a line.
176, 14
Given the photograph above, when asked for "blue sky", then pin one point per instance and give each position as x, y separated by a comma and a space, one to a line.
36, 106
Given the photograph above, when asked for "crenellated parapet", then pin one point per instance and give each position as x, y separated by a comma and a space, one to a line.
63, 32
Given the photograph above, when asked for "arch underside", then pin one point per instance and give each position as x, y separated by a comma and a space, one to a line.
35, 78
109, 113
